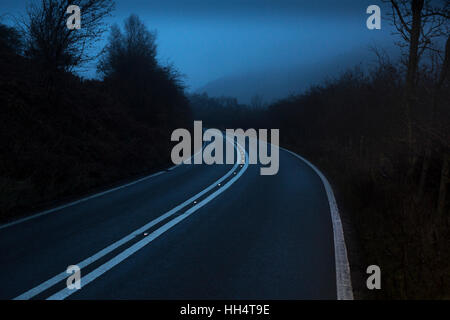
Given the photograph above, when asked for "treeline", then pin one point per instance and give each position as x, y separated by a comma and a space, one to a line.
223, 112
63, 136
383, 139
354, 129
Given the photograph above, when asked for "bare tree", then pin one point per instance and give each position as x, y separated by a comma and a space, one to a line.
51, 43
443, 76
419, 23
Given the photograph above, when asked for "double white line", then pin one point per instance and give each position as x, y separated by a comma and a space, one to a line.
64, 293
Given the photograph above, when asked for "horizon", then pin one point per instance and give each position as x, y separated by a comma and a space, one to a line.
207, 42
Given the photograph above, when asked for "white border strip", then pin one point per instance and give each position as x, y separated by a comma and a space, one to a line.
343, 279
70, 204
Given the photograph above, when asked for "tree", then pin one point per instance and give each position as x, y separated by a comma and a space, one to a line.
10, 39
128, 63
131, 53
419, 23
443, 76
48, 40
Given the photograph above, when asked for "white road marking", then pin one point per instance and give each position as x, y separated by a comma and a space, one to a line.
70, 204
59, 277
64, 293
343, 279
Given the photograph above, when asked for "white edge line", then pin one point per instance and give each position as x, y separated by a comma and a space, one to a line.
343, 279
70, 204
64, 293
52, 281
96, 195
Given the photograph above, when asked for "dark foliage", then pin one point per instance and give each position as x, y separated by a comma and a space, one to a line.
10, 40
354, 129
130, 69
51, 44
224, 112
73, 136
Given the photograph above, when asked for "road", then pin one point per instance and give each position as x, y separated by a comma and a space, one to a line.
191, 232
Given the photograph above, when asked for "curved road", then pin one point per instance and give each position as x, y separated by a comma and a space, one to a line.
192, 232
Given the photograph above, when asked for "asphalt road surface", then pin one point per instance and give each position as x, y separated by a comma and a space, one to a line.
191, 232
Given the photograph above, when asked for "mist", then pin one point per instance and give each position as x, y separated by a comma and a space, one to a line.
210, 42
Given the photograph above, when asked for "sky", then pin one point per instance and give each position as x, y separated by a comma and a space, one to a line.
210, 39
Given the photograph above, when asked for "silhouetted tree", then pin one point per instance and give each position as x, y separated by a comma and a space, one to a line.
10, 39
129, 54
419, 23
129, 64
51, 43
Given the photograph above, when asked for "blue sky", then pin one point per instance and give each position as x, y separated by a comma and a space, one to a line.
209, 39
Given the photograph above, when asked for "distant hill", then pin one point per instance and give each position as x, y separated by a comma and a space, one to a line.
277, 83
